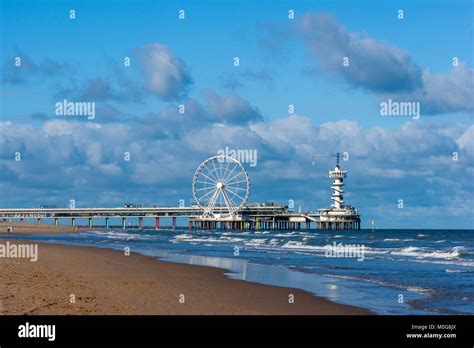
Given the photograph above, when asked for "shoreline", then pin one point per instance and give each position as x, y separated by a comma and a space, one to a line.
106, 281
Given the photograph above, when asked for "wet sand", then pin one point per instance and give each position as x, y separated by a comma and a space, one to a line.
102, 281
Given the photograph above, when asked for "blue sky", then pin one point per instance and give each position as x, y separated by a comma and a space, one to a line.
282, 62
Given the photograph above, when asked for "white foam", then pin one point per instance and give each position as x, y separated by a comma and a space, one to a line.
115, 235
302, 246
255, 241
183, 236
192, 239
369, 250
447, 262
423, 253
230, 239
419, 290
457, 270
397, 240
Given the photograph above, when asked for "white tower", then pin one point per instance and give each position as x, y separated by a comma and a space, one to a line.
339, 216
338, 175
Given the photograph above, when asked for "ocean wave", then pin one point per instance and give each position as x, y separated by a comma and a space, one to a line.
419, 290
255, 241
369, 250
416, 289
294, 233
240, 234
114, 235
230, 239
192, 239
398, 240
282, 235
458, 270
453, 262
300, 245
423, 253
183, 236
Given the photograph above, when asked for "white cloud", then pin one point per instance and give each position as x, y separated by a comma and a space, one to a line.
167, 75
466, 141
448, 92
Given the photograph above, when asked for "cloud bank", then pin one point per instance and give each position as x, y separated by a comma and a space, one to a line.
383, 69
85, 161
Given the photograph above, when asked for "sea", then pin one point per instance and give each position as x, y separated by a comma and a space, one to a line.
390, 272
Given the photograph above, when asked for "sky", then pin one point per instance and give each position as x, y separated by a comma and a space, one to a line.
334, 62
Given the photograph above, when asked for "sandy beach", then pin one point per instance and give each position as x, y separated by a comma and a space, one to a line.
103, 281
31, 228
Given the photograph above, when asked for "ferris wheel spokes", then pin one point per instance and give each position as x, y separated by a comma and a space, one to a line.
221, 187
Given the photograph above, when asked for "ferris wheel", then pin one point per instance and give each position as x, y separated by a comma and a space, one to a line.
221, 186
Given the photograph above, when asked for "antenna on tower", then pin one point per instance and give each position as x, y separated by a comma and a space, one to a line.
337, 155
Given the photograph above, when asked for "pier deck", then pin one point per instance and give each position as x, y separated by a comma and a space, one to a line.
250, 217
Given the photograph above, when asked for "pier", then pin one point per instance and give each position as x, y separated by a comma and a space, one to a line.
253, 217
221, 188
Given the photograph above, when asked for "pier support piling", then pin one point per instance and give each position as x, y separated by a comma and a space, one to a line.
157, 223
